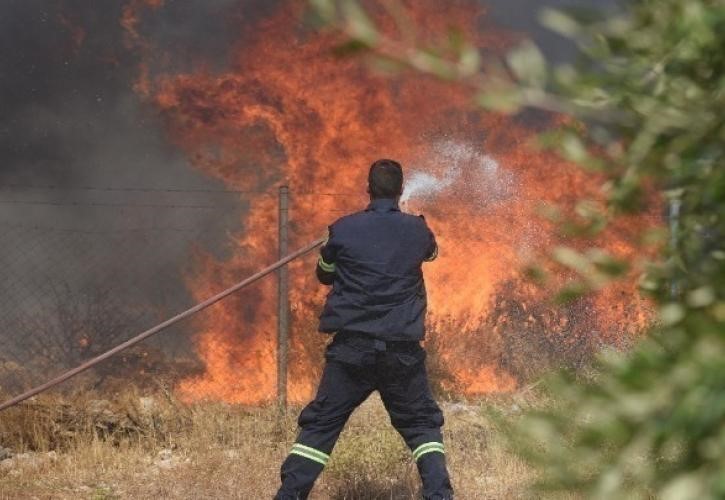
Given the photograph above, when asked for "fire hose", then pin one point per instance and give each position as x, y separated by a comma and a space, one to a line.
161, 326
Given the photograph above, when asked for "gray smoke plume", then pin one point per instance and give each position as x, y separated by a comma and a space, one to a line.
523, 16
94, 200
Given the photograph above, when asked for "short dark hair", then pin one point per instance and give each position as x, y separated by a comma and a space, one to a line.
385, 179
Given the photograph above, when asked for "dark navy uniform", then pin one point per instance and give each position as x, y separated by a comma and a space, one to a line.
376, 309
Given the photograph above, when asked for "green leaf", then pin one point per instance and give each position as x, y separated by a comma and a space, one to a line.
428, 60
571, 292
528, 64
469, 61
536, 274
672, 313
701, 297
573, 148
350, 48
560, 22
359, 25
608, 264
504, 100
572, 259
684, 487
325, 9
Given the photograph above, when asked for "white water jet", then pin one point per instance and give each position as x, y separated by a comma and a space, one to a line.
468, 172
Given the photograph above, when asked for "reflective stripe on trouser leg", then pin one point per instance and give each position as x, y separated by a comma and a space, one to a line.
310, 453
431, 447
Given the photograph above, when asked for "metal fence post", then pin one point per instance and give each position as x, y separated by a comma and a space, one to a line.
674, 222
282, 301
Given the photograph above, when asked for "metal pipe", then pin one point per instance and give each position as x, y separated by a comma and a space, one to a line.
161, 326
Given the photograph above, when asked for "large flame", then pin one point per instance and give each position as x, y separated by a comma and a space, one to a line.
288, 112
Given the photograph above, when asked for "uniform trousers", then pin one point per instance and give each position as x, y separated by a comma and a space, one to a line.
357, 365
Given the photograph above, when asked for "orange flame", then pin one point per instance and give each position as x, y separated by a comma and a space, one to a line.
286, 111
130, 19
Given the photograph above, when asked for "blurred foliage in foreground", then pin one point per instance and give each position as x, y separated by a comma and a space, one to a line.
651, 89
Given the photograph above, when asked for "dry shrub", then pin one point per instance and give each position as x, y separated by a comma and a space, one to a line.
371, 465
538, 336
14, 377
54, 422
153, 447
442, 380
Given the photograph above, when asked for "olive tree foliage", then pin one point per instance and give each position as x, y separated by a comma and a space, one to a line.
651, 90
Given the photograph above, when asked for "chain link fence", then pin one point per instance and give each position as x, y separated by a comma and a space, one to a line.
81, 274
79, 277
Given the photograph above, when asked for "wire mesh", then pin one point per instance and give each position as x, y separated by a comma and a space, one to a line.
78, 279
86, 268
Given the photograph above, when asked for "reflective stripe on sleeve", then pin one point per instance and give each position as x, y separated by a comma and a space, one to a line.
310, 453
433, 256
427, 448
328, 268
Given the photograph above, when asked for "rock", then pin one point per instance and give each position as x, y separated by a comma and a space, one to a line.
31, 460
166, 464
147, 405
456, 408
165, 459
101, 411
5, 453
99, 406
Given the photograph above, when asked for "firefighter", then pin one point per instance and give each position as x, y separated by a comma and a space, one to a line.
376, 311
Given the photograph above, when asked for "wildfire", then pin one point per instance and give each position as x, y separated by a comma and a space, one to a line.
286, 111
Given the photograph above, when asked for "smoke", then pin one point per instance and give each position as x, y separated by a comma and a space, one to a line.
74, 136
522, 16
70, 114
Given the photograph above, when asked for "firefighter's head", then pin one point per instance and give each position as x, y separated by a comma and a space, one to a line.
385, 179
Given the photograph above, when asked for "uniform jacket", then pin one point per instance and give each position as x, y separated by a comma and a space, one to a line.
373, 260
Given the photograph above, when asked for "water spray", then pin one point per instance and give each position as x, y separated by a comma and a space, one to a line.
468, 172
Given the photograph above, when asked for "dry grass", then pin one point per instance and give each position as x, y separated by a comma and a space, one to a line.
141, 447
